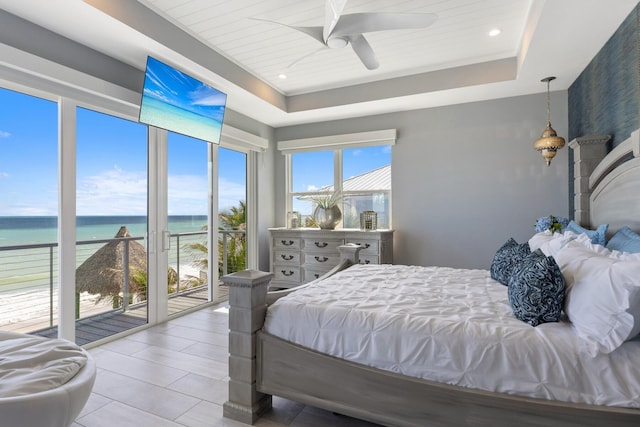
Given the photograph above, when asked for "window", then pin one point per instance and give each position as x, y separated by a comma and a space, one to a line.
358, 167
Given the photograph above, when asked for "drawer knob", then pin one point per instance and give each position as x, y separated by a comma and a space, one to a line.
287, 242
366, 245
322, 259
287, 273
317, 275
321, 244
287, 257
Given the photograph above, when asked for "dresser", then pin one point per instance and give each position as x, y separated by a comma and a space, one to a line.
300, 255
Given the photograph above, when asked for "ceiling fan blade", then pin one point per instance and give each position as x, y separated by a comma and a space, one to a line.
332, 11
363, 49
359, 23
314, 32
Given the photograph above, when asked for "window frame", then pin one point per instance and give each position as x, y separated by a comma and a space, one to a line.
337, 144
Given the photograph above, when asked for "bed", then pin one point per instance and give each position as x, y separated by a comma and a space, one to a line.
267, 358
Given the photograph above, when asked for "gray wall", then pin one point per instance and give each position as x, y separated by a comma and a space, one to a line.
465, 178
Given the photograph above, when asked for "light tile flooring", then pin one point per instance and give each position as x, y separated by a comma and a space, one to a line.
175, 374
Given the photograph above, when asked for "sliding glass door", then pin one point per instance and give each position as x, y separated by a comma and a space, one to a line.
111, 224
188, 222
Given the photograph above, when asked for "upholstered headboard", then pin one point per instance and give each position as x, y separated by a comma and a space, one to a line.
607, 187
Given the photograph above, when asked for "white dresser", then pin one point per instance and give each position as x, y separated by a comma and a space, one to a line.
300, 255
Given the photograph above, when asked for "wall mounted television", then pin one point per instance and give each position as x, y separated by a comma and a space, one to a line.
177, 102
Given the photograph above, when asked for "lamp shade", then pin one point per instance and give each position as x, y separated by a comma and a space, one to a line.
549, 142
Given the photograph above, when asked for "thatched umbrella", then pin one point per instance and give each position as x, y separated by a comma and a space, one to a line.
103, 272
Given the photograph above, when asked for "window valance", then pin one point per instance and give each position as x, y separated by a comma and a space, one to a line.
336, 142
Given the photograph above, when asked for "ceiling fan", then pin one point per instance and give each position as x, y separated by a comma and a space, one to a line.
341, 30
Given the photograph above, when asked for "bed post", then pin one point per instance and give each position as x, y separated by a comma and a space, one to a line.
247, 310
588, 151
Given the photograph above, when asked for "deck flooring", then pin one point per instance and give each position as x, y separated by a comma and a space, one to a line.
99, 326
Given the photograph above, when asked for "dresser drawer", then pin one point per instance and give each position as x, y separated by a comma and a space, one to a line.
368, 246
368, 259
286, 258
322, 245
321, 260
286, 242
311, 274
285, 273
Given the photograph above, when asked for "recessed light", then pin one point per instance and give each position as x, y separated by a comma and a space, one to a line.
282, 76
494, 32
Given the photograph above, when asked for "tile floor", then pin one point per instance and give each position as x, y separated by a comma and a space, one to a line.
175, 374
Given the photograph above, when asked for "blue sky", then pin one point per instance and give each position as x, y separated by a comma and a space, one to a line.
111, 164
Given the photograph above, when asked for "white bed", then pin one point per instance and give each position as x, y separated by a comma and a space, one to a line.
555, 377
455, 327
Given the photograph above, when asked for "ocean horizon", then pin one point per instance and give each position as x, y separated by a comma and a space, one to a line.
27, 230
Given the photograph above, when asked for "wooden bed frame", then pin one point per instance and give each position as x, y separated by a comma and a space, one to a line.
261, 365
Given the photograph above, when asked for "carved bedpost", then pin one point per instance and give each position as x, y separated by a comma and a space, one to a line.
350, 252
588, 151
247, 302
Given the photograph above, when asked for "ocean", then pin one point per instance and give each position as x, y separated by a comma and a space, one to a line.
29, 268
27, 230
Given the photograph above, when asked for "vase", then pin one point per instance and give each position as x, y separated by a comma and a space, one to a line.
327, 218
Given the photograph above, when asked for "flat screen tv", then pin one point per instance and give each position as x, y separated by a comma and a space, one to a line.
174, 101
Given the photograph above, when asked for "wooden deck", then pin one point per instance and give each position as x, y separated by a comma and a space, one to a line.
102, 325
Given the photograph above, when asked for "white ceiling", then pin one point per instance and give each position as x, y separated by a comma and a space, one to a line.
452, 61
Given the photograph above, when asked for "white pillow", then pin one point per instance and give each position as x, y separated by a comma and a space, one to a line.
602, 250
603, 295
540, 239
551, 245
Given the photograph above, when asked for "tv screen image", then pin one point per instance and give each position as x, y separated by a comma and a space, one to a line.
177, 102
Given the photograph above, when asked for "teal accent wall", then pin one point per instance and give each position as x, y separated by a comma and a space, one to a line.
604, 98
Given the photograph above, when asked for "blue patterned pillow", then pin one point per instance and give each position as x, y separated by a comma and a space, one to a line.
597, 236
625, 240
506, 258
536, 290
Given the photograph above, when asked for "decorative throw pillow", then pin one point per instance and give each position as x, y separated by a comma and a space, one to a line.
603, 294
597, 236
536, 290
625, 240
506, 258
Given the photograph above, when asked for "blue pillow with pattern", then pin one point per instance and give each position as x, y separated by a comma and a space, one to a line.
597, 236
506, 258
536, 290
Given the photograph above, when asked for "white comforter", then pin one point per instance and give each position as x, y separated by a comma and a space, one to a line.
452, 326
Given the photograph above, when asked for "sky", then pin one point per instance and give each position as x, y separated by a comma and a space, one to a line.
111, 164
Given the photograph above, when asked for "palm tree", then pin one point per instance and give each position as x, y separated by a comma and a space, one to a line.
233, 219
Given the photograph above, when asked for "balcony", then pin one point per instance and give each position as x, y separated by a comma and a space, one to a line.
29, 285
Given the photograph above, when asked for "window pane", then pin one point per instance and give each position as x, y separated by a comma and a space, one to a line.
367, 184
232, 211
28, 212
111, 201
311, 172
188, 184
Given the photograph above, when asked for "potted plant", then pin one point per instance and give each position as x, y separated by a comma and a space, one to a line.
327, 213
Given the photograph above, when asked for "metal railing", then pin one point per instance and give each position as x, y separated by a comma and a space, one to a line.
29, 276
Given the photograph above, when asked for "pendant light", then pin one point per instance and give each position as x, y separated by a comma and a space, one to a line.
549, 141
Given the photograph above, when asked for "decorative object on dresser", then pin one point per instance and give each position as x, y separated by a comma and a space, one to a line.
368, 220
327, 213
301, 255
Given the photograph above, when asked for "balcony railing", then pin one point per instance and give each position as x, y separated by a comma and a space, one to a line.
29, 276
